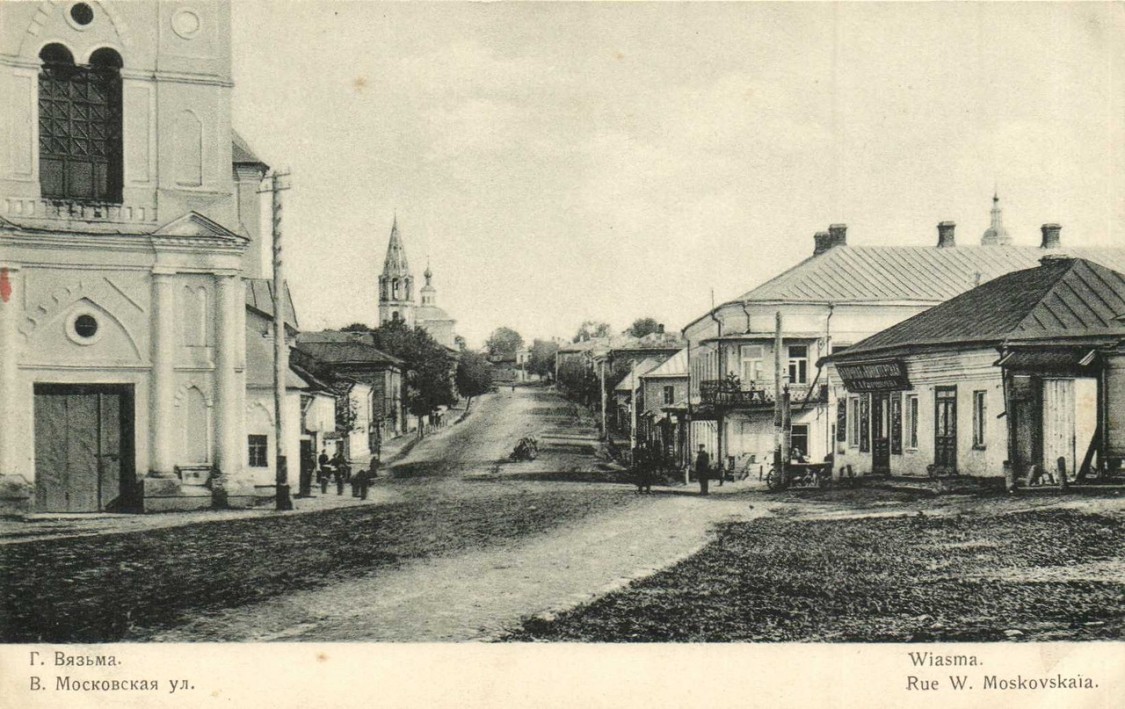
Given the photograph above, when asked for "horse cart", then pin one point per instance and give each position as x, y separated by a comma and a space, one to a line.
799, 474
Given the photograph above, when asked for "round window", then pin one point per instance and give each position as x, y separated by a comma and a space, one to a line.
85, 326
81, 13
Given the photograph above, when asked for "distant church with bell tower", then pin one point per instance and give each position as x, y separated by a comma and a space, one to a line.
396, 295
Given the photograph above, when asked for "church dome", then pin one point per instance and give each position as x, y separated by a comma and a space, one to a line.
431, 312
996, 234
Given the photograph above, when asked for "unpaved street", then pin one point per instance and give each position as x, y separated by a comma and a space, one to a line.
482, 592
456, 543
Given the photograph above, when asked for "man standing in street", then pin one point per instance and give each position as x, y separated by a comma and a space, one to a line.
702, 469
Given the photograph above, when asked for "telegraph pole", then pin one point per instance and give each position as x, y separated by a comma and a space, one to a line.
633, 413
601, 386
280, 351
781, 451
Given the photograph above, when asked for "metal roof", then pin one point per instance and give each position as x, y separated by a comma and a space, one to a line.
241, 153
1061, 298
675, 366
907, 273
336, 348
259, 365
642, 368
259, 295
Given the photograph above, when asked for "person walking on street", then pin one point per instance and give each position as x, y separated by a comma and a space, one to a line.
702, 469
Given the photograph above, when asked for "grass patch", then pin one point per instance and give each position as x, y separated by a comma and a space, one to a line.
895, 579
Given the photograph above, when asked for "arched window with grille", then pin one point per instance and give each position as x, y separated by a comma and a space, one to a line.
80, 155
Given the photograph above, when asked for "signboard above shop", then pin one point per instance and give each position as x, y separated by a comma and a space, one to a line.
882, 375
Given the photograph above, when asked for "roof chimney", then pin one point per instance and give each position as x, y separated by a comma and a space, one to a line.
837, 235
945, 235
822, 242
660, 328
1051, 238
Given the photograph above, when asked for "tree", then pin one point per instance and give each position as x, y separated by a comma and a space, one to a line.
356, 327
591, 329
643, 326
474, 375
504, 341
429, 376
542, 358
579, 381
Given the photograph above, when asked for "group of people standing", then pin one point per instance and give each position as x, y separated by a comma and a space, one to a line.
339, 470
647, 461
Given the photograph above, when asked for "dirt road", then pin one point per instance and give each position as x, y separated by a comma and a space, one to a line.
481, 592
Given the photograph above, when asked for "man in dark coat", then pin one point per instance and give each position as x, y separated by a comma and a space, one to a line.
642, 468
702, 469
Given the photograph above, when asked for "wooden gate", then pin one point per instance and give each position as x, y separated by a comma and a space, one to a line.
1058, 424
83, 448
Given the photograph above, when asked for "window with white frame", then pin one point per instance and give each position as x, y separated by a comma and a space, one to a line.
751, 364
910, 429
669, 395
980, 418
798, 364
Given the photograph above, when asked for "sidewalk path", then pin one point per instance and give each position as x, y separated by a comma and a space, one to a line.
478, 595
61, 526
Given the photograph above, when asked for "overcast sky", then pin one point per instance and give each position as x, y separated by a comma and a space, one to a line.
558, 162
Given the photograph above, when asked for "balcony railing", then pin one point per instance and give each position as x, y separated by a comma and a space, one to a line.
80, 210
729, 393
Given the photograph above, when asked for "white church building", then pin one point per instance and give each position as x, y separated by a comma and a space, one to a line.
396, 295
129, 225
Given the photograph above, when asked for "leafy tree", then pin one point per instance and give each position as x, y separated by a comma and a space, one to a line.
542, 358
579, 381
346, 413
356, 327
429, 379
460, 343
643, 326
591, 329
474, 375
504, 341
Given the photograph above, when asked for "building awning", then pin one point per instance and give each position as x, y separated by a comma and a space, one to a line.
874, 375
679, 408
1067, 361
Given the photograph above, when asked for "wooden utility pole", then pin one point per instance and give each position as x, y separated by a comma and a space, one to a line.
601, 386
633, 411
778, 397
280, 351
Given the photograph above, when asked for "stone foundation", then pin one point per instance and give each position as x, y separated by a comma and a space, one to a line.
170, 494
17, 495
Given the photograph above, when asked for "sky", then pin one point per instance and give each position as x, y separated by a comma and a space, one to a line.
562, 162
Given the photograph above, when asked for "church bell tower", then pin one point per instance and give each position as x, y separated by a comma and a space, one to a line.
396, 284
